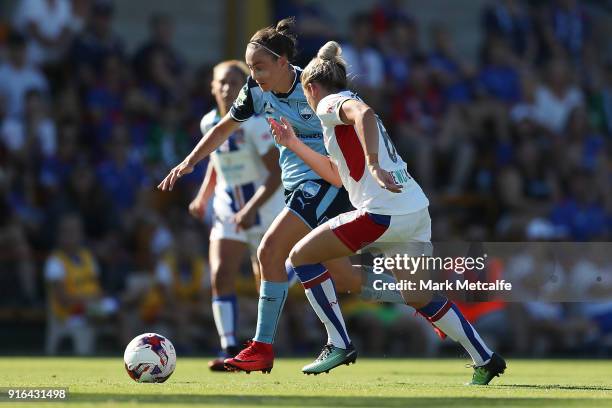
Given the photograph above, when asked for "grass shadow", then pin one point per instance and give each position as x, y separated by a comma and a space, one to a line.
324, 401
557, 387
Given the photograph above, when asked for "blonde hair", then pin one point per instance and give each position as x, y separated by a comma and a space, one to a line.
240, 66
328, 68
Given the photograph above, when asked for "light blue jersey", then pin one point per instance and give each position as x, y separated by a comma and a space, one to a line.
293, 107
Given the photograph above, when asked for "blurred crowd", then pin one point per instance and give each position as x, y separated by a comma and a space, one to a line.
515, 145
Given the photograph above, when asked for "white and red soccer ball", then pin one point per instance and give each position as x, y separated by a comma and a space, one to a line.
150, 358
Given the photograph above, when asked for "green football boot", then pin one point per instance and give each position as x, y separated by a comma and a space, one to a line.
330, 358
484, 374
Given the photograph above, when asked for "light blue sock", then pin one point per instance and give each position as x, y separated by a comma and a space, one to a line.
271, 301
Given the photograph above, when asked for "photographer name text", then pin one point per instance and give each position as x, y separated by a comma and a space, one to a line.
496, 285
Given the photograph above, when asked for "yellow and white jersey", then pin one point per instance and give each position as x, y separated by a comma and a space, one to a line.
78, 274
346, 151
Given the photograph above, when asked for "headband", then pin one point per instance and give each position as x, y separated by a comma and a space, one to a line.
266, 48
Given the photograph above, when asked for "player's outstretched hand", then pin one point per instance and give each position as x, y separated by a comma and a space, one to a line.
183, 168
385, 179
283, 132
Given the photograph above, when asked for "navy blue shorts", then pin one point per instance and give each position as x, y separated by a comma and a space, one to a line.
316, 201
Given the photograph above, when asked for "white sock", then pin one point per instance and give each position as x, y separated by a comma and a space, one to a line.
225, 315
323, 300
454, 325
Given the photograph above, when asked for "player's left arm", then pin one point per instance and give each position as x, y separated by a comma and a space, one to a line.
322, 165
355, 112
245, 218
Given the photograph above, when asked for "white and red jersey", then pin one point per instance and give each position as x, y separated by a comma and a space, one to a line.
346, 151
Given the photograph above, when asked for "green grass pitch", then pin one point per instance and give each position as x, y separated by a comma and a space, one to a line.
102, 382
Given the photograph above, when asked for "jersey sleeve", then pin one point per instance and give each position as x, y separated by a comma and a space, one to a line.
328, 109
259, 132
243, 107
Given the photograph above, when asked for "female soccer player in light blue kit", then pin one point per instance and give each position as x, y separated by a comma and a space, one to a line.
391, 213
244, 178
274, 90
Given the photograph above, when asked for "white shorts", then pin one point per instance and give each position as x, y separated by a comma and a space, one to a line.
362, 231
226, 229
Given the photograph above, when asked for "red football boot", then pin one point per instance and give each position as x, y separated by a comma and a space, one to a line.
256, 356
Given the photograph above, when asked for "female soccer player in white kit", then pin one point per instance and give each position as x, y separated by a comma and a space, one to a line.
244, 176
391, 213
273, 90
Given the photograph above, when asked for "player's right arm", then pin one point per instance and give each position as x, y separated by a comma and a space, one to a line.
319, 163
197, 207
211, 140
242, 109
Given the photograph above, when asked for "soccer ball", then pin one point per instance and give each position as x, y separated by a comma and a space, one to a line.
150, 358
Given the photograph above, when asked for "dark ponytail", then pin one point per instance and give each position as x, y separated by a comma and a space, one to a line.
279, 39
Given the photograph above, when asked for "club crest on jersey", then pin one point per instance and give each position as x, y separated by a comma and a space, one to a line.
305, 112
310, 189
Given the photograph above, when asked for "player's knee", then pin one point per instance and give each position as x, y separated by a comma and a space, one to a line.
295, 256
222, 283
266, 254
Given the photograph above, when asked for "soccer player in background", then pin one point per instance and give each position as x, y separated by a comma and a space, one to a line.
391, 213
244, 177
272, 90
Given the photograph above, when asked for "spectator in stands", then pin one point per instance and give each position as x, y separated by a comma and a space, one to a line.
580, 211
555, 100
82, 195
168, 140
383, 15
161, 35
160, 85
527, 181
17, 77
314, 27
509, 21
401, 47
364, 63
73, 288
583, 148
417, 110
451, 72
47, 26
35, 133
570, 27
122, 175
55, 169
105, 101
96, 43
18, 277
499, 77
